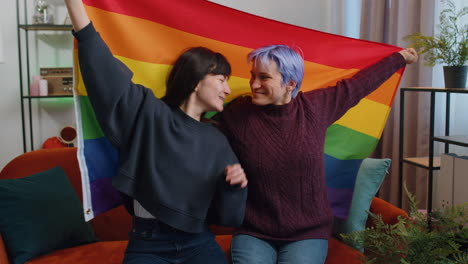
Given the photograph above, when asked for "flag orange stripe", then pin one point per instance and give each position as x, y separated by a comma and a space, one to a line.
122, 32
320, 76
143, 40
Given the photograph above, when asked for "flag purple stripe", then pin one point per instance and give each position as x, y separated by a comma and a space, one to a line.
104, 196
339, 200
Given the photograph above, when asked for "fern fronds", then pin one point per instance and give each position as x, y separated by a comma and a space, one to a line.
412, 241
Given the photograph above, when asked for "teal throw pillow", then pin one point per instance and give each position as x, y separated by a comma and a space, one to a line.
370, 176
41, 213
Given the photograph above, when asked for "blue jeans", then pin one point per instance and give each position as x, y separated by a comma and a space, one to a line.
247, 249
154, 242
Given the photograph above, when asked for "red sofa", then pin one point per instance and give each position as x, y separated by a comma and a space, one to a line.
112, 227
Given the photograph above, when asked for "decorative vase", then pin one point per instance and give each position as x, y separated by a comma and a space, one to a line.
455, 76
43, 13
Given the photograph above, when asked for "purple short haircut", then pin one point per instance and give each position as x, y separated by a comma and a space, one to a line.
290, 63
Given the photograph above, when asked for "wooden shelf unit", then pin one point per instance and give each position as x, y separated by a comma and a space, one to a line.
430, 162
24, 29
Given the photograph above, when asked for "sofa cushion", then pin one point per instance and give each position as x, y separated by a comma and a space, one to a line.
41, 213
3, 255
224, 242
108, 252
370, 177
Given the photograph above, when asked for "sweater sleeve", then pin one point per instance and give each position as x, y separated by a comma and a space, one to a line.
228, 207
228, 203
115, 99
335, 101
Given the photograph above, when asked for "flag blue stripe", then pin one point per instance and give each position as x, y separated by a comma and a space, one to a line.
341, 174
102, 159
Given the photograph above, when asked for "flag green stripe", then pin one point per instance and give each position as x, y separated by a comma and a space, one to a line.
90, 125
344, 143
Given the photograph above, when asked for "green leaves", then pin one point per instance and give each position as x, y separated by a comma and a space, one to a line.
411, 240
450, 46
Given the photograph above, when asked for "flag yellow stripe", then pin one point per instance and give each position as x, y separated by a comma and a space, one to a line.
153, 76
367, 117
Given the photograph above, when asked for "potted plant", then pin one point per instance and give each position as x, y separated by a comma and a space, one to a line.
412, 241
449, 47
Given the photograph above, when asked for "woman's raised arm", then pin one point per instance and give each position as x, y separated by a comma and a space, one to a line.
77, 13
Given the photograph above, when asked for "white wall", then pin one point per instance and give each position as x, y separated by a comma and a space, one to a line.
49, 115
460, 109
323, 15
459, 102
10, 127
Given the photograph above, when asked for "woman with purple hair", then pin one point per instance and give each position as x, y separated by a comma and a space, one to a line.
278, 135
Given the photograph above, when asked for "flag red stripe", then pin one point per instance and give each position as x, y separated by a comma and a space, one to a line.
203, 18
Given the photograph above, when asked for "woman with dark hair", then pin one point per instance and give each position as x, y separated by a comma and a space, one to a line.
191, 67
178, 173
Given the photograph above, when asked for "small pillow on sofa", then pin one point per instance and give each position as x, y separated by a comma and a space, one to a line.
41, 213
369, 178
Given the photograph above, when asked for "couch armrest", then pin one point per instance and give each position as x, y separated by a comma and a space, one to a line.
3, 254
388, 211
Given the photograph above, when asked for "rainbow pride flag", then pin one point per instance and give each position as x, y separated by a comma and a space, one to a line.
148, 35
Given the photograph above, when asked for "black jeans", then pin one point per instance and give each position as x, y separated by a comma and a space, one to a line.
154, 242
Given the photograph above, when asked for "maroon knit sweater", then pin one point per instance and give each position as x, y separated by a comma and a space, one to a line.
281, 149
